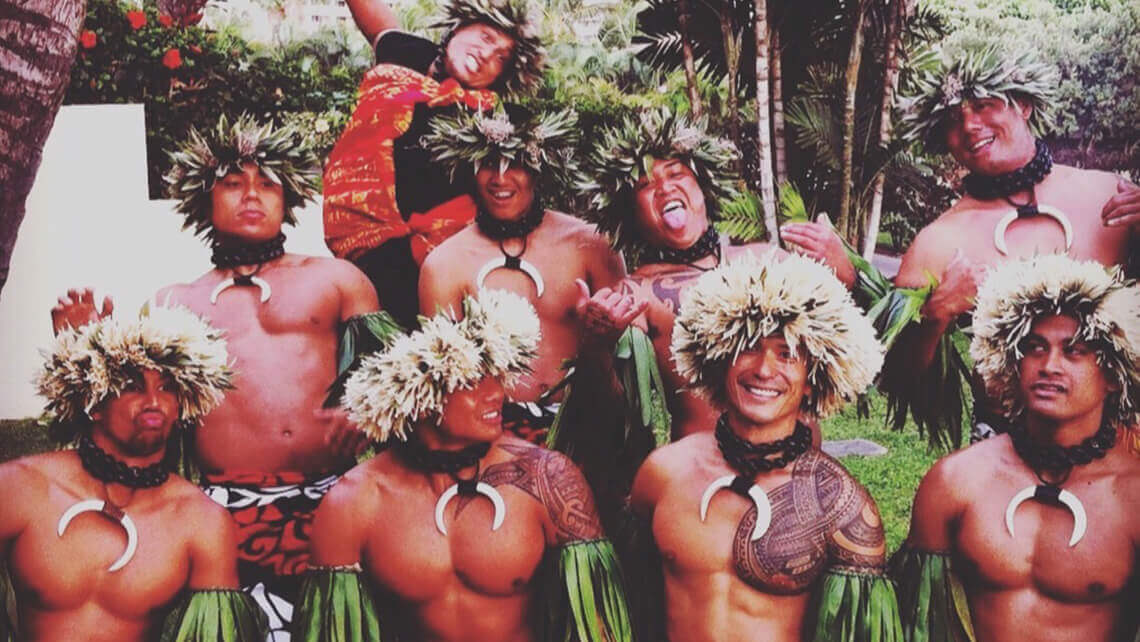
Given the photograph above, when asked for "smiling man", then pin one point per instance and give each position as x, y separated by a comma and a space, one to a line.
101, 542
655, 185
460, 532
986, 109
1037, 529
271, 450
387, 203
553, 259
761, 535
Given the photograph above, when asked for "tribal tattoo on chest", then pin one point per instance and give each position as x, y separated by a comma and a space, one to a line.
821, 518
553, 480
667, 288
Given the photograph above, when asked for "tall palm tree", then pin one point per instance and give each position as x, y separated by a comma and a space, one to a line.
38, 42
847, 225
763, 134
683, 13
779, 142
898, 14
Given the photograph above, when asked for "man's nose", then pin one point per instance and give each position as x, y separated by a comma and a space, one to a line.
1052, 361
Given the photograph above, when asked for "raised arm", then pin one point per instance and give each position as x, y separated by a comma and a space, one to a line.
373, 17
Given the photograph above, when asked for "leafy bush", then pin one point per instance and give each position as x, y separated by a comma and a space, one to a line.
185, 76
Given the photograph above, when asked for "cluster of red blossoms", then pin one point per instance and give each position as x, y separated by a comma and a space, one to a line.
172, 59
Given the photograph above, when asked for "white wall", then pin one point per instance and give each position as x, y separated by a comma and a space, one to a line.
89, 223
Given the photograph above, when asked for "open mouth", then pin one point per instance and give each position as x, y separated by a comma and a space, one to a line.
674, 214
981, 143
491, 416
761, 391
471, 64
1048, 389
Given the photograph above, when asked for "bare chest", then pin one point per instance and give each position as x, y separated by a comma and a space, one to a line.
63, 573
298, 303
417, 562
541, 264
1038, 555
786, 558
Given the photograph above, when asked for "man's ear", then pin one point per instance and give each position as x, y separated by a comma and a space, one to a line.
1024, 108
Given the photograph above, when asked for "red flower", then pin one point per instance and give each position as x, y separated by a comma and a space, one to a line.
165, 20
172, 59
137, 19
87, 38
196, 49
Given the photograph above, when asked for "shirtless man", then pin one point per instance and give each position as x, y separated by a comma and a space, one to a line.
103, 542
515, 552
654, 186
283, 315
988, 124
560, 259
387, 203
796, 550
1038, 526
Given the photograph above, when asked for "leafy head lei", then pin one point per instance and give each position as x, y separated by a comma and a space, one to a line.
623, 154
512, 17
982, 73
88, 365
1105, 305
203, 159
409, 381
730, 309
542, 143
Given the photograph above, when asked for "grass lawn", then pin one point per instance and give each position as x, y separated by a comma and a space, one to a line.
891, 479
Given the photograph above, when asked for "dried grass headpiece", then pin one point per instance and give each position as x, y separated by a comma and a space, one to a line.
982, 73
512, 17
1105, 305
391, 390
96, 362
730, 309
623, 154
203, 159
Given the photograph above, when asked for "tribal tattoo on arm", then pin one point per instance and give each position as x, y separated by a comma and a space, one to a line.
818, 521
667, 288
552, 479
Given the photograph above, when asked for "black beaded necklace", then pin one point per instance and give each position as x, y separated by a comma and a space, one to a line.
424, 459
707, 245
748, 458
104, 467
1058, 461
988, 188
230, 255
500, 230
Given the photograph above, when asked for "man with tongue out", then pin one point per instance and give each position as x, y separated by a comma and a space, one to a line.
654, 186
386, 202
986, 109
553, 259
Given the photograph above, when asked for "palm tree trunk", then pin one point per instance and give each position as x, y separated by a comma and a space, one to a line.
687, 57
900, 11
763, 134
732, 60
38, 40
847, 226
778, 141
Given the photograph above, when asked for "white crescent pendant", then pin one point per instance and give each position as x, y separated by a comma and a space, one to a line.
758, 496
1080, 519
254, 280
481, 488
99, 506
511, 263
1014, 214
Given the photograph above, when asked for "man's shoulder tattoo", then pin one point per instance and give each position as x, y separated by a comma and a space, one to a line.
817, 521
552, 479
667, 287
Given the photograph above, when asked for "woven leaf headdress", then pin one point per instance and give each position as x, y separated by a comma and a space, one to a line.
1105, 305
91, 364
730, 309
203, 159
512, 17
391, 390
982, 73
543, 143
623, 154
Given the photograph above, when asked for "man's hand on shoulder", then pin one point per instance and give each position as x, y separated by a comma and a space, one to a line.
77, 308
956, 290
1124, 207
820, 242
341, 435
